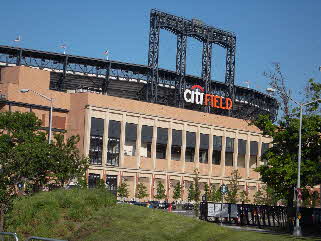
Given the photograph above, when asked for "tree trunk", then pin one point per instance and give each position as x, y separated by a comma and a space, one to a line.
1, 217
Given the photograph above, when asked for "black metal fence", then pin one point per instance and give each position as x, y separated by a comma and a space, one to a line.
261, 216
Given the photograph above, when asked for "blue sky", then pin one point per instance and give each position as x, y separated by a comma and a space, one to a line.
287, 31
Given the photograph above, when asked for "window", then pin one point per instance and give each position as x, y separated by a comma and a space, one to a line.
146, 141
113, 147
111, 184
176, 145
241, 153
217, 149
203, 151
265, 147
96, 141
130, 139
229, 151
190, 146
253, 154
93, 180
161, 143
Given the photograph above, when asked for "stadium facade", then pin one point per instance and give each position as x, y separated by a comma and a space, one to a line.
143, 124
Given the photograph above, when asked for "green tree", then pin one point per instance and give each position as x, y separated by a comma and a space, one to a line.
191, 192
259, 198
207, 190
197, 190
141, 191
160, 191
67, 163
232, 195
177, 193
122, 190
244, 197
24, 156
216, 195
282, 158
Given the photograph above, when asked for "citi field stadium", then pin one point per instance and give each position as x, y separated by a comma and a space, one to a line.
143, 124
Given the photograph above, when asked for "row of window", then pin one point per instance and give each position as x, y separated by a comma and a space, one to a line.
113, 145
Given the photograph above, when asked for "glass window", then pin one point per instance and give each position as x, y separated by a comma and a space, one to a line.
216, 157
93, 180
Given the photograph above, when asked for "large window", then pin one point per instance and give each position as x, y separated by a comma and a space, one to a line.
111, 184
161, 143
229, 150
217, 149
241, 153
93, 180
96, 141
190, 146
203, 150
253, 154
176, 145
113, 147
130, 139
265, 147
146, 141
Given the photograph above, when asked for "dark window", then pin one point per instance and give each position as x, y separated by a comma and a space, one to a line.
113, 146
203, 150
253, 148
190, 146
229, 151
217, 143
130, 139
146, 141
216, 157
161, 143
96, 141
241, 153
93, 180
176, 145
265, 147
111, 184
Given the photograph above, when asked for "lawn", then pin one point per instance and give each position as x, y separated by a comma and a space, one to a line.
93, 215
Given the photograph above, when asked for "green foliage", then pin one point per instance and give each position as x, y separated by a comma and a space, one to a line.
141, 191
56, 213
197, 190
26, 157
67, 162
122, 190
191, 192
160, 191
259, 198
207, 190
215, 194
244, 197
177, 193
232, 195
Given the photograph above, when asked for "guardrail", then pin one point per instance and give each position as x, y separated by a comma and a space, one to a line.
4, 236
8, 236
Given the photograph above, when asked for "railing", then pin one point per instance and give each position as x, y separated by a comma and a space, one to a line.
7, 236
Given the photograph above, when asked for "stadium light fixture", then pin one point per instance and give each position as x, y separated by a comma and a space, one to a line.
51, 108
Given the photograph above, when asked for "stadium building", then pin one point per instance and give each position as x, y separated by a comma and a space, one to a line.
144, 124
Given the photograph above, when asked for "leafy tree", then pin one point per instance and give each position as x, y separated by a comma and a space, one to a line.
259, 198
67, 163
122, 190
207, 190
232, 196
216, 195
191, 192
141, 191
160, 191
282, 158
177, 193
197, 190
244, 197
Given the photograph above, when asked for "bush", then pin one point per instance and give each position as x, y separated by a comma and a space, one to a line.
56, 214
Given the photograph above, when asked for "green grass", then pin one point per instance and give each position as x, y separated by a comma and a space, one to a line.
92, 215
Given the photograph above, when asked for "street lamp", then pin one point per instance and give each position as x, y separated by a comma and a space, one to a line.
51, 108
297, 230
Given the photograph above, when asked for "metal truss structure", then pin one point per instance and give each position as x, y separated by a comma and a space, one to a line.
184, 28
72, 73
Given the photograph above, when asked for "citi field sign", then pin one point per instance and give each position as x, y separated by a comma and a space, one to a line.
196, 95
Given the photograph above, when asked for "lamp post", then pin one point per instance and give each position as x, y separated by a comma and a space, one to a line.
297, 230
51, 108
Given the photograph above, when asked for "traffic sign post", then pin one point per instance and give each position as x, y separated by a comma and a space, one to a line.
224, 190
